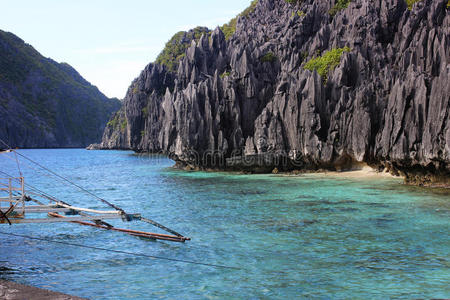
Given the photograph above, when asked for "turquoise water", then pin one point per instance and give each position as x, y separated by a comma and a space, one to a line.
309, 236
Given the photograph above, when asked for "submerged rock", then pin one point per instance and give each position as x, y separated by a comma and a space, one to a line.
248, 103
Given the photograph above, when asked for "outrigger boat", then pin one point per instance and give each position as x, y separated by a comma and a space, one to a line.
21, 203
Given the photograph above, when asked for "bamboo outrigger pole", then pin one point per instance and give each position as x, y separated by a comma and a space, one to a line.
150, 235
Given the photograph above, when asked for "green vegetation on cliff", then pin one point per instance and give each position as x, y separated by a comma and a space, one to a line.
293, 1
229, 28
225, 74
18, 59
327, 62
115, 120
268, 57
340, 5
176, 47
411, 3
45, 103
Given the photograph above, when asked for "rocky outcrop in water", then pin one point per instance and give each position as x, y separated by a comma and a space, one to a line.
250, 103
45, 104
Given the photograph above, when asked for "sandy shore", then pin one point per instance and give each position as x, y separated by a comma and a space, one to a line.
363, 173
14, 291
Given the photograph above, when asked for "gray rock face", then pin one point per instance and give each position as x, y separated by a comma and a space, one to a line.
45, 104
386, 104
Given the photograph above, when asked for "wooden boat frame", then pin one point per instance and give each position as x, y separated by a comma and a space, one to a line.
17, 210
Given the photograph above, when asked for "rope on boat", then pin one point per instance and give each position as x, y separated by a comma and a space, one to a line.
122, 252
18, 165
38, 191
128, 217
67, 180
87, 209
51, 198
161, 226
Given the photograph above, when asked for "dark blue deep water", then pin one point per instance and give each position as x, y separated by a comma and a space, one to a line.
309, 236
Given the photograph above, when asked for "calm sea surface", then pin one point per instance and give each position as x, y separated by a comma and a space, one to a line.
309, 236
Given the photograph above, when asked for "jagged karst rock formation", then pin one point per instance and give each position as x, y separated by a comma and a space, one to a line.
248, 102
45, 104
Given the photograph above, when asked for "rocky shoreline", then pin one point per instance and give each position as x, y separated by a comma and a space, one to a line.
14, 291
265, 165
414, 177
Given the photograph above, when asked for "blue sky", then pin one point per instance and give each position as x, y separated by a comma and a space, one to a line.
109, 41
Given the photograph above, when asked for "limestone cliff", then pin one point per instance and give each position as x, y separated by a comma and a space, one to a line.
253, 102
